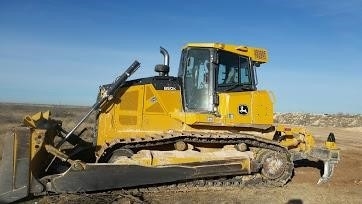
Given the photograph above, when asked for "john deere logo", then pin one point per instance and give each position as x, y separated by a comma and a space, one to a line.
243, 109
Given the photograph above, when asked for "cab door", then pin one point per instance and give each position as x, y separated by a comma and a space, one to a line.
197, 90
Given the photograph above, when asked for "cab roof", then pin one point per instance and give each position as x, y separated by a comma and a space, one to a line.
256, 54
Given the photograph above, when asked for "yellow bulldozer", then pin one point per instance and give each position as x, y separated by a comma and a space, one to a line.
209, 125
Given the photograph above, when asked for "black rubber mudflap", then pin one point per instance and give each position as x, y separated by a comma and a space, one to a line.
14, 165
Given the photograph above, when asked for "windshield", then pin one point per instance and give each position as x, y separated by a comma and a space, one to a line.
196, 80
234, 72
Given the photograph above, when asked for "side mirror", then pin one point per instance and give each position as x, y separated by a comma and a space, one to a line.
257, 64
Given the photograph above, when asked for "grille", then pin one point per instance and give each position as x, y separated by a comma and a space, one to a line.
260, 55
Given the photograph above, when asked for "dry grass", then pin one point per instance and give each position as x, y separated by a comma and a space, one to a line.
12, 115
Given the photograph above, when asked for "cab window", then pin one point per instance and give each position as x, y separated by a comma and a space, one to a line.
196, 81
233, 72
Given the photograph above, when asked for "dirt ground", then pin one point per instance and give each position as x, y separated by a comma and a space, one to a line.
345, 186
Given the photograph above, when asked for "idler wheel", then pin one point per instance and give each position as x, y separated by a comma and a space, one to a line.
273, 165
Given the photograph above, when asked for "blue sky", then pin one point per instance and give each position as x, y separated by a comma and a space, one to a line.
59, 52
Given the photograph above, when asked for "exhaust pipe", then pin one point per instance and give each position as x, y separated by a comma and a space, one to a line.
166, 56
163, 69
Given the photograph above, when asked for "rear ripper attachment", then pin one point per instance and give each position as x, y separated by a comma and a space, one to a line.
301, 145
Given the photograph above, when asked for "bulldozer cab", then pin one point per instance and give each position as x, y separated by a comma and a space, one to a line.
207, 69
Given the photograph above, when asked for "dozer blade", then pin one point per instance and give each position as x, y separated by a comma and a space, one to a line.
86, 177
14, 165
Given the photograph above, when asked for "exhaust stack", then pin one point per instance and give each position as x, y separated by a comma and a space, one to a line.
166, 56
163, 69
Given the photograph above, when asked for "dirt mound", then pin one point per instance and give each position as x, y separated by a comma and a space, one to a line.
319, 120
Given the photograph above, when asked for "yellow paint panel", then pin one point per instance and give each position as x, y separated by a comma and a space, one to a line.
124, 115
171, 100
258, 103
262, 106
160, 122
140, 110
152, 102
128, 120
229, 107
126, 104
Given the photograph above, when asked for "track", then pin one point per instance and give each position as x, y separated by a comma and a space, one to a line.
264, 149
135, 195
